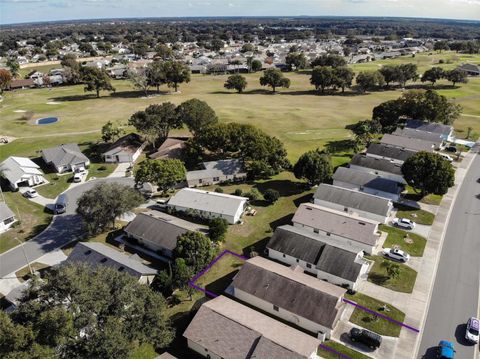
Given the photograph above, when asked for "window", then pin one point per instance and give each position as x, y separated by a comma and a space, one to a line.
275, 308
88, 252
200, 180
309, 265
316, 230
283, 255
121, 269
216, 179
328, 234
298, 260
103, 260
345, 209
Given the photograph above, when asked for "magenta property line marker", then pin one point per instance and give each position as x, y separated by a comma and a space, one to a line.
382, 316
328, 349
207, 268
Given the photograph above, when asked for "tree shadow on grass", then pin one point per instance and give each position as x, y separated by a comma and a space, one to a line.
221, 284
340, 146
304, 199
258, 247
281, 221
378, 279
248, 92
284, 187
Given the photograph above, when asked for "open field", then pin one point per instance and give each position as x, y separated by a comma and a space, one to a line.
301, 119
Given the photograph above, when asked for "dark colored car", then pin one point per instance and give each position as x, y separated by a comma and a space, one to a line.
451, 149
370, 339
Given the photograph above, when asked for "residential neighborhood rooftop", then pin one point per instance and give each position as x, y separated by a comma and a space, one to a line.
331, 221
366, 179
14, 168
379, 164
429, 126
65, 154
219, 168
126, 144
172, 147
388, 151
409, 143
433, 137
5, 212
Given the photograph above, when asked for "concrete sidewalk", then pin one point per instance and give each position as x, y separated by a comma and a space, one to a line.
121, 170
415, 305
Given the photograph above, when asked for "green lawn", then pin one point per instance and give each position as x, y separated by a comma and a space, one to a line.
32, 220
419, 216
297, 116
326, 354
144, 351
100, 169
404, 282
57, 184
413, 195
412, 243
371, 322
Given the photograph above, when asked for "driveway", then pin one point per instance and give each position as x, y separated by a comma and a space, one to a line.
63, 229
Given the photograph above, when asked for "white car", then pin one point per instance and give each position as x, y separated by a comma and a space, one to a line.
396, 254
404, 223
471, 334
30, 193
446, 157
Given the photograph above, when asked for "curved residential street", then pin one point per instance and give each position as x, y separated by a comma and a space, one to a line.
455, 295
63, 229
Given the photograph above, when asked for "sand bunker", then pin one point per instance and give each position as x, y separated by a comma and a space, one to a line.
53, 103
20, 111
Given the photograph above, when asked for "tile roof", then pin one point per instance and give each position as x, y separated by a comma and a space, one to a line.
365, 179
232, 330
384, 150
353, 199
207, 201
291, 290
327, 220
413, 144
65, 154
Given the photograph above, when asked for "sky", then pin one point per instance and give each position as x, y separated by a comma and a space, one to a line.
17, 11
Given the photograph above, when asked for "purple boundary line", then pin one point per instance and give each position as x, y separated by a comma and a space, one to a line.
328, 349
381, 315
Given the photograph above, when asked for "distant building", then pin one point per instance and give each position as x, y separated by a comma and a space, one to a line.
217, 172
290, 294
224, 328
65, 157
470, 69
7, 217
209, 204
21, 171
125, 150
21, 84
99, 254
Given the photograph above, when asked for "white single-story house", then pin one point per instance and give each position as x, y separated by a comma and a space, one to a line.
209, 204
21, 171
217, 172
316, 254
283, 291
99, 254
7, 217
66, 157
224, 328
125, 150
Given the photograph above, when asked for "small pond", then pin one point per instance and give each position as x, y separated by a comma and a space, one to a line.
46, 120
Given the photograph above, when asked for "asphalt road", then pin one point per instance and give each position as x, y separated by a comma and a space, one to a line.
63, 229
455, 295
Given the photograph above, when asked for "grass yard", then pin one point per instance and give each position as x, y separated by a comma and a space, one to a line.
371, 322
297, 116
413, 195
419, 216
24, 273
57, 184
99, 170
32, 219
326, 354
412, 243
144, 351
404, 282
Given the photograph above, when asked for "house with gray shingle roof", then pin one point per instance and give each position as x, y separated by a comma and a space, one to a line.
99, 254
209, 204
394, 154
445, 131
432, 137
217, 172
159, 231
65, 157
470, 69
381, 167
353, 202
318, 255
7, 217
21, 171
291, 295
225, 328
413, 144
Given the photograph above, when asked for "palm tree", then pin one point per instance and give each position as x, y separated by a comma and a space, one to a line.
392, 269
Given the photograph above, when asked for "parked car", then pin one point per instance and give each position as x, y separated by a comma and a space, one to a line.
31, 193
61, 204
446, 157
445, 350
396, 254
471, 333
370, 339
404, 223
77, 177
451, 149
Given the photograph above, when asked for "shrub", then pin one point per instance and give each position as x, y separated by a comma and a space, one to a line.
217, 229
271, 195
102, 168
253, 195
238, 192
219, 190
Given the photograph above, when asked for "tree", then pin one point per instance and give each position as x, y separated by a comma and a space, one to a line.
369, 80
456, 75
156, 121
140, 49
392, 269
111, 132
296, 60
182, 274
164, 52
155, 74
72, 68
433, 75
176, 73
364, 132
429, 173
274, 78
271, 195
196, 114
216, 45
164, 173
96, 80
322, 77
332, 60
236, 82
391, 73
5, 80
343, 77
100, 205
14, 67
196, 249
429, 106
315, 166
78, 312
389, 115
256, 65
408, 72
247, 48
139, 80
217, 229
440, 45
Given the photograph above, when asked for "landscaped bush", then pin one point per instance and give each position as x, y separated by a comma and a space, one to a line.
219, 190
253, 195
238, 192
271, 195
